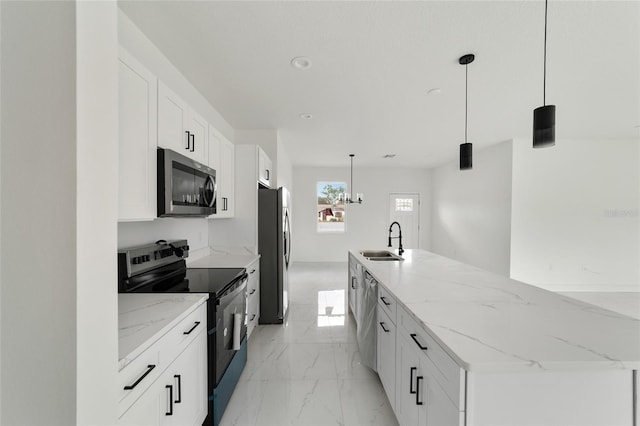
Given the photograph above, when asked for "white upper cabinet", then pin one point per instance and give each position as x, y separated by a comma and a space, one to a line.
179, 127
228, 153
137, 139
265, 168
222, 160
199, 144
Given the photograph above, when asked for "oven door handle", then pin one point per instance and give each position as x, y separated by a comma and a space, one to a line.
234, 293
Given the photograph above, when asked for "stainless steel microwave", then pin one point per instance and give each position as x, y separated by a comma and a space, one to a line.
185, 187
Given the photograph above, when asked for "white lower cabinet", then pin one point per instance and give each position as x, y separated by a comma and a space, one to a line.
386, 351
253, 296
170, 381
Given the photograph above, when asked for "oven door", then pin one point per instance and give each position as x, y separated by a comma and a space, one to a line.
233, 301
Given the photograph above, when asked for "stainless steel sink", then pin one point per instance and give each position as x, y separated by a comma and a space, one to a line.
380, 255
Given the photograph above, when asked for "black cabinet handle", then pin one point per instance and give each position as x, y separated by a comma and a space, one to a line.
252, 271
415, 339
188, 139
252, 291
267, 174
224, 204
149, 368
418, 402
170, 412
193, 142
384, 300
179, 399
192, 328
352, 283
383, 327
411, 371
252, 317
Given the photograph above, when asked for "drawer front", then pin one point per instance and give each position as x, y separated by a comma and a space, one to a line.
253, 286
137, 377
179, 337
446, 372
253, 313
386, 354
387, 302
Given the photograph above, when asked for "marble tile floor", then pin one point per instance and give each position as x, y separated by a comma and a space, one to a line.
308, 371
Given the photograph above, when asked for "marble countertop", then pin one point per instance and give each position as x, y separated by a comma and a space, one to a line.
222, 257
144, 318
488, 322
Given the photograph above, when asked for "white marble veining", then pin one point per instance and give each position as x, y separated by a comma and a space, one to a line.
488, 322
222, 257
144, 318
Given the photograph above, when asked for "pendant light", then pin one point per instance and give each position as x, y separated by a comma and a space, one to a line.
346, 196
544, 117
466, 149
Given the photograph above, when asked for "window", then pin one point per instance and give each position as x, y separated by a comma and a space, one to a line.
404, 204
330, 209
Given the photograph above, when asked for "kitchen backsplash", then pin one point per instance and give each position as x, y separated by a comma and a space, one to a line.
194, 230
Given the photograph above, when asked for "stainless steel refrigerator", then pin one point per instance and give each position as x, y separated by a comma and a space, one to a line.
274, 246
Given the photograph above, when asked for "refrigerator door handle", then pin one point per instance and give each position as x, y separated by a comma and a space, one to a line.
287, 239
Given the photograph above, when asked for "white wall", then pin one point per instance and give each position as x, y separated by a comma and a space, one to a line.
367, 224
38, 264
97, 213
575, 222
471, 210
194, 230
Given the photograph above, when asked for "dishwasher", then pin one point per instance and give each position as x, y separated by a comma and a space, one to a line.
367, 313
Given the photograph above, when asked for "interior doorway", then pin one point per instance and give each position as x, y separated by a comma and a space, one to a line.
404, 208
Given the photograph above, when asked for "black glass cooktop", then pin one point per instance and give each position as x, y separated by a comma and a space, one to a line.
211, 280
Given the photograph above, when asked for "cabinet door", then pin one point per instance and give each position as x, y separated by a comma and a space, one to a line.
137, 140
386, 351
187, 376
264, 168
439, 408
407, 373
145, 411
198, 130
228, 157
173, 121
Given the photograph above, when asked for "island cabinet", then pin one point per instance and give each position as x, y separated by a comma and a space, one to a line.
386, 345
429, 385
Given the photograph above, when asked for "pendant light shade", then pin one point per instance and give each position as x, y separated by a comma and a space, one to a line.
466, 156
544, 126
544, 117
466, 149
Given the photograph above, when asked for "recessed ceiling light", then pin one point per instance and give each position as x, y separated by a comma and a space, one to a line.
389, 156
434, 91
306, 116
301, 62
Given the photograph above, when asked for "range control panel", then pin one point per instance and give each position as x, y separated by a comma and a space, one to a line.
135, 260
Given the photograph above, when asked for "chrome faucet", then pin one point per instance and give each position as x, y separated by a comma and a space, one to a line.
400, 249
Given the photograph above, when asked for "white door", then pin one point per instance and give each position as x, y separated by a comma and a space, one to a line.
405, 209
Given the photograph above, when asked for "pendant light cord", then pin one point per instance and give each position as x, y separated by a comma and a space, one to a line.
466, 101
544, 77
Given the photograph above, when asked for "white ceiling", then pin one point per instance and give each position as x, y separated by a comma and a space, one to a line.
374, 62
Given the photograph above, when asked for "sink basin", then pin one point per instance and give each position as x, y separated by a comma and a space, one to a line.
380, 255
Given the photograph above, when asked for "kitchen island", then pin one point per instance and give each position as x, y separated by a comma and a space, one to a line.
501, 351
